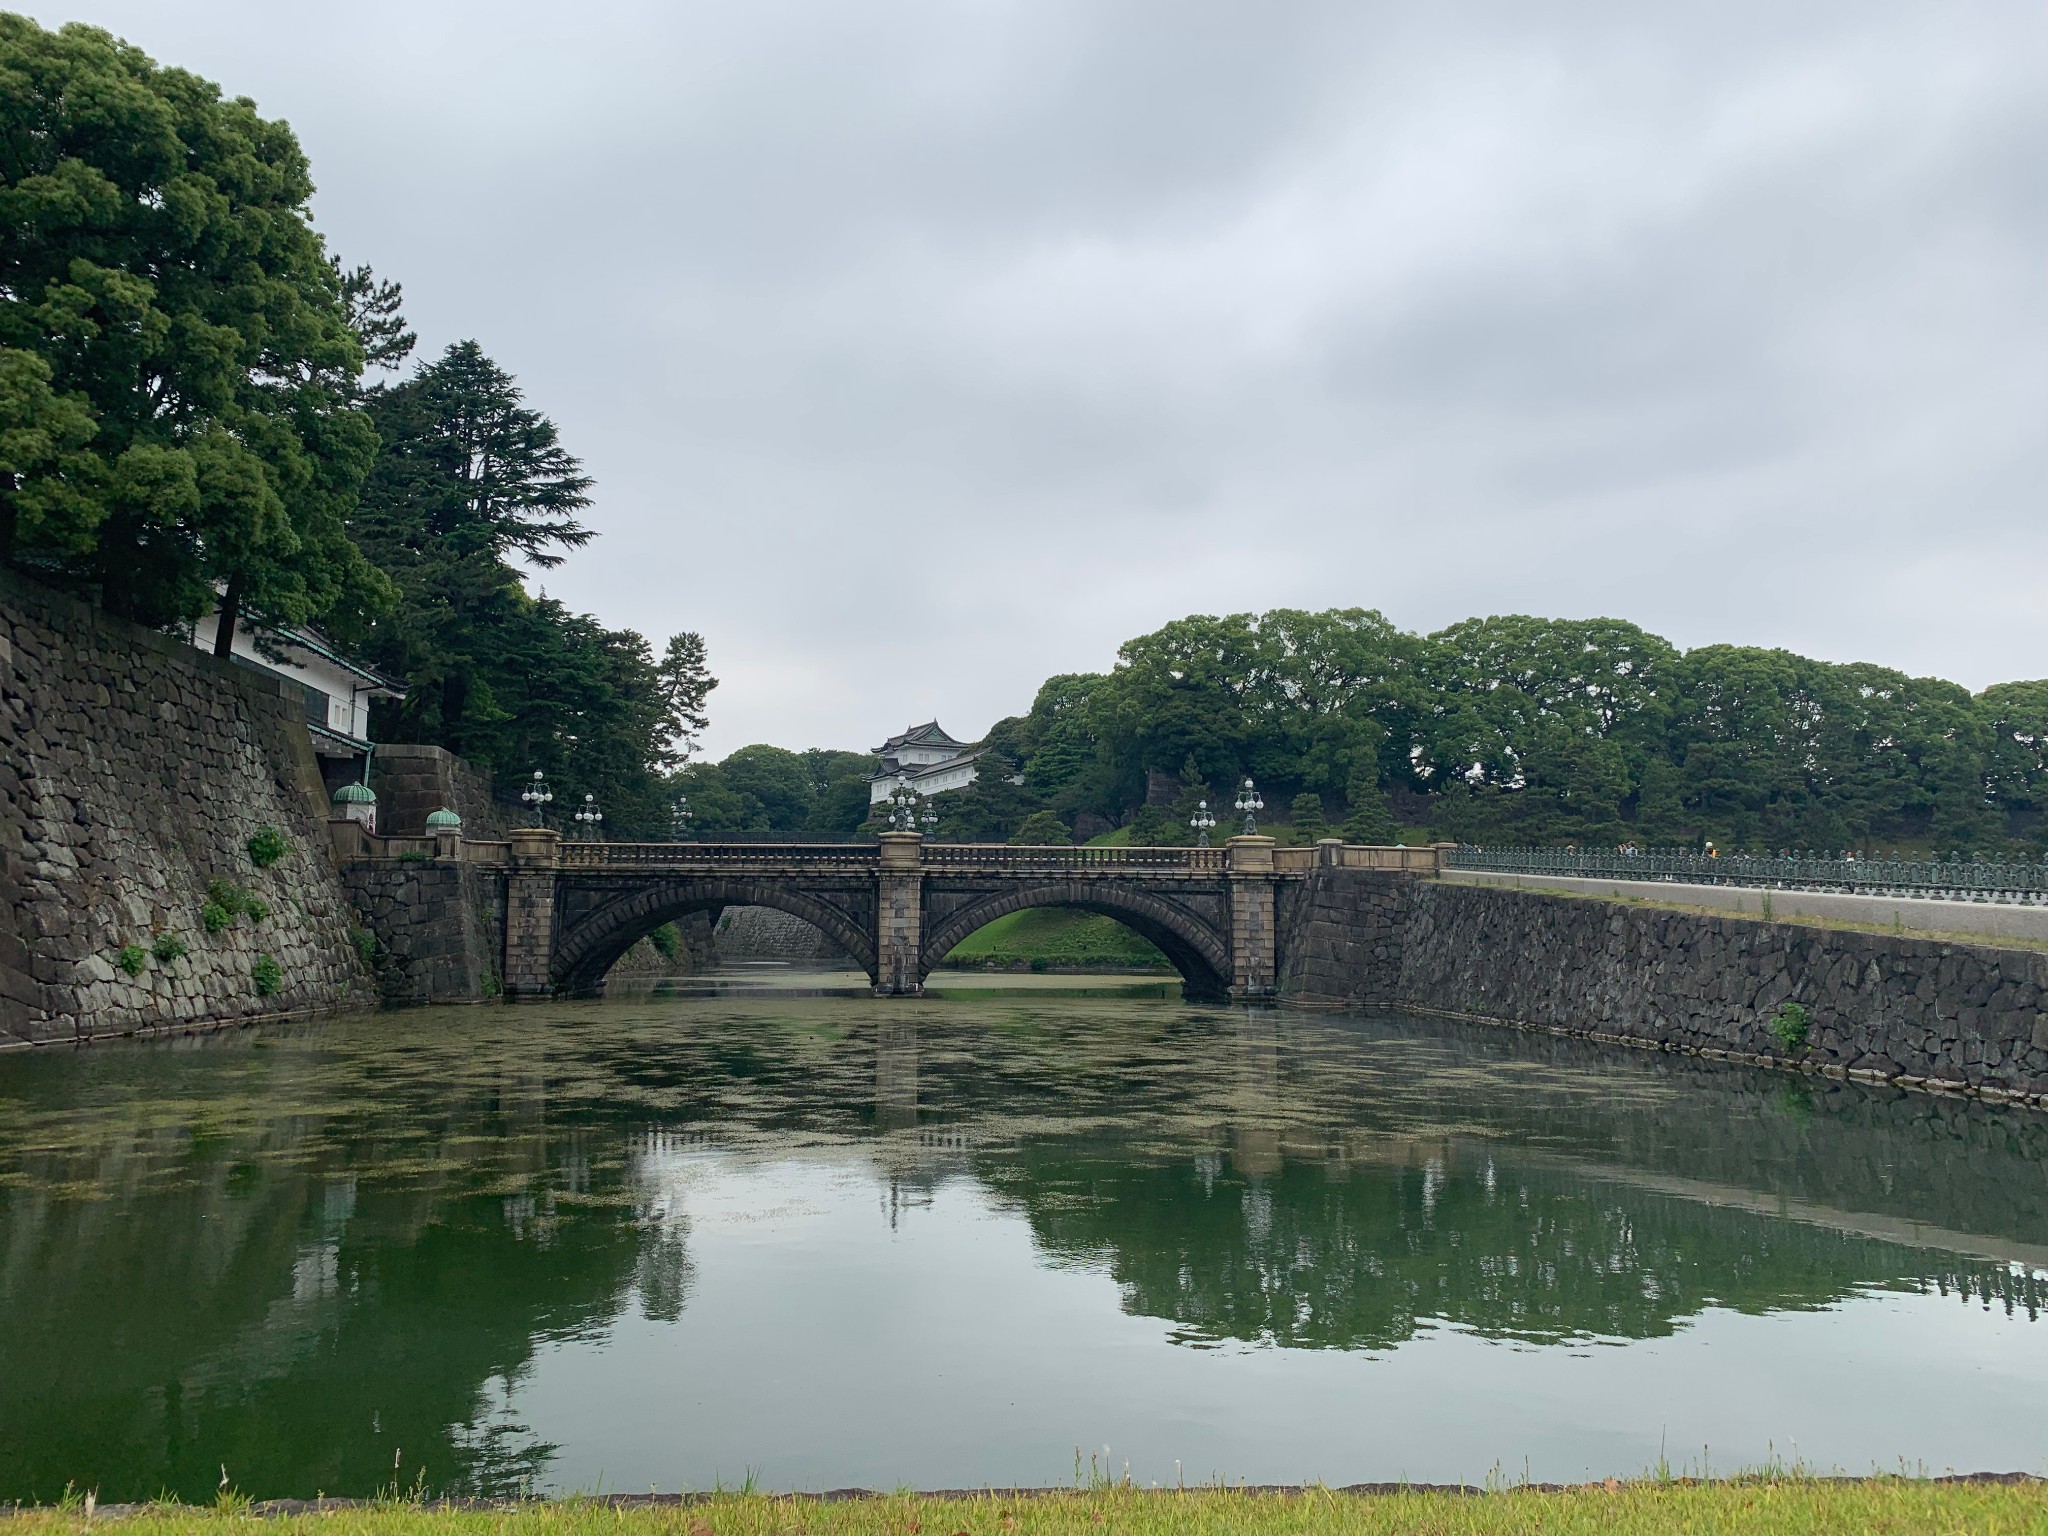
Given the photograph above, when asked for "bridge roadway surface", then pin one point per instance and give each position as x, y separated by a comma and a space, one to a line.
1974, 920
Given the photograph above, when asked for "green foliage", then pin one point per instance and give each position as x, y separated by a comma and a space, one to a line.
177, 367
1789, 1025
1306, 818
1368, 820
686, 682
1042, 829
365, 944
267, 975
168, 947
267, 847
1049, 936
761, 788
414, 856
132, 958
469, 480
1515, 729
1150, 828
226, 901
667, 941
990, 810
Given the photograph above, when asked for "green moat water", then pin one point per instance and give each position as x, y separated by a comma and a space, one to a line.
828, 1239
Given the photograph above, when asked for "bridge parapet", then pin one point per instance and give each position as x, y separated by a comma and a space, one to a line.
691, 858
1005, 857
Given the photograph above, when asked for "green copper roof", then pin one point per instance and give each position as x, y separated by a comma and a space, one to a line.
355, 794
444, 821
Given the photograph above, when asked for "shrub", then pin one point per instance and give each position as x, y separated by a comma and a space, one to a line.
667, 941
365, 943
267, 975
1789, 1026
132, 959
168, 947
226, 901
1042, 829
1148, 828
1307, 819
267, 847
413, 856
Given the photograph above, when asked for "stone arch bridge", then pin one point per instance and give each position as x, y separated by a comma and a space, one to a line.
900, 905
556, 915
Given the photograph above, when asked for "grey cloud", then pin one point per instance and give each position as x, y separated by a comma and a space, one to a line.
922, 350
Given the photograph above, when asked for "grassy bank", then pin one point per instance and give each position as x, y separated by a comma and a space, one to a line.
1784, 1505
1055, 937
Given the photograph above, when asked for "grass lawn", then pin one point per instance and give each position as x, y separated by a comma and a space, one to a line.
1056, 936
1782, 1506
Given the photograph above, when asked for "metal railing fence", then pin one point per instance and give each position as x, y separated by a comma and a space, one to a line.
1954, 878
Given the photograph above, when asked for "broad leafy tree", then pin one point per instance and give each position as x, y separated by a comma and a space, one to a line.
1517, 729
177, 367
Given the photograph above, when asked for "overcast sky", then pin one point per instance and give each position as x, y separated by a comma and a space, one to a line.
923, 350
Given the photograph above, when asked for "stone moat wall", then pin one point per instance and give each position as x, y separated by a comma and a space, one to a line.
763, 933
413, 781
436, 928
133, 772
1878, 1007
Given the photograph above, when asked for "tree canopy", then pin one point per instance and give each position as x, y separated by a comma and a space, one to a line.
177, 367
1522, 729
469, 479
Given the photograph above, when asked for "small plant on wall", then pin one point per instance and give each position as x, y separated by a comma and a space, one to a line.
267, 975
168, 947
1789, 1025
226, 901
132, 959
267, 847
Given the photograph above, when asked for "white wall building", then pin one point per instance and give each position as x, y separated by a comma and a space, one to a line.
925, 758
337, 691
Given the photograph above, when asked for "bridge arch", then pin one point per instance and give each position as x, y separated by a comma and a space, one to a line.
1195, 948
589, 948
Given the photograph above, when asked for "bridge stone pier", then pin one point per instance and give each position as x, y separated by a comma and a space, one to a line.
538, 916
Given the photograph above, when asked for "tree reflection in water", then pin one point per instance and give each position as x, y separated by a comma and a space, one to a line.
326, 1257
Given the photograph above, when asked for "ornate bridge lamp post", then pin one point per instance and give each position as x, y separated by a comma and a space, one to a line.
928, 821
588, 816
1249, 802
537, 797
1204, 822
679, 818
903, 802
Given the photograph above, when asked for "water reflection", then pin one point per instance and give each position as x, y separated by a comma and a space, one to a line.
329, 1257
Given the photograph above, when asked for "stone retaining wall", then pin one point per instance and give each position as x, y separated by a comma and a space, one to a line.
1879, 1007
438, 928
133, 771
1340, 936
413, 781
1917, 1010
765, 933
